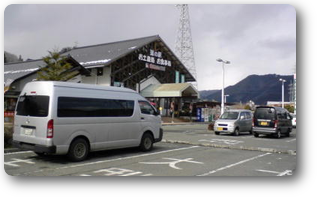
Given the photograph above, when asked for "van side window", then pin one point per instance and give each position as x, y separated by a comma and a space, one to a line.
146, 108
281, 115
91, 107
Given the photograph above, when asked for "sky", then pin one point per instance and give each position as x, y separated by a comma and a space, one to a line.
257, 39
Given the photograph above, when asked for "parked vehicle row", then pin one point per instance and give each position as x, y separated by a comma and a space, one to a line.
266, 120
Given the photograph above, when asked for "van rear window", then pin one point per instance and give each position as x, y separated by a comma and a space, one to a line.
36, 106
265, 113
92, 107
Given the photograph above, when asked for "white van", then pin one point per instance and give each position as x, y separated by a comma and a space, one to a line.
74, 119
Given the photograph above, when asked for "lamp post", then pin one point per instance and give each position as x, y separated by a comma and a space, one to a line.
283, 81
226, 98
223, 83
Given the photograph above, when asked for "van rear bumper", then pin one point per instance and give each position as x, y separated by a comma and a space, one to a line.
34, 147
262, 130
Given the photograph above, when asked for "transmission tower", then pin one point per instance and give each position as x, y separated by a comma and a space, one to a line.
184, 44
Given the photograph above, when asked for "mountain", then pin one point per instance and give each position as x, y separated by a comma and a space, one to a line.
258, 88
9, 57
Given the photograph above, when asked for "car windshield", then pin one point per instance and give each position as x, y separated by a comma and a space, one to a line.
230, 115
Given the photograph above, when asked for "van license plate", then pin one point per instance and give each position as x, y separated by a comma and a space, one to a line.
28, 131
220, 128
264, 123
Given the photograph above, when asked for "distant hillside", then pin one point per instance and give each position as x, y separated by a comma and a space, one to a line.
9, 57
258, 88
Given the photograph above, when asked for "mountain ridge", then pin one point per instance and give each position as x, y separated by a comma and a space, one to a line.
258, 88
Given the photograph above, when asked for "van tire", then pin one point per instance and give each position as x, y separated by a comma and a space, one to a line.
146, 142
278, 134
78, 150
255, 134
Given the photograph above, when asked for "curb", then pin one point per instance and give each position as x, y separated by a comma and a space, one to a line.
267, 150
186, 123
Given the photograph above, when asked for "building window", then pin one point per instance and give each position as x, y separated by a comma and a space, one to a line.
99, 71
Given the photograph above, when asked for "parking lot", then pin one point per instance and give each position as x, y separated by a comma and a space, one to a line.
186, 150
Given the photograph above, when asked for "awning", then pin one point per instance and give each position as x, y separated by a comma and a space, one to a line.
170, 90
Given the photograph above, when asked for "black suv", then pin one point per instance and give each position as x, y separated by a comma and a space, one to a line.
272, 121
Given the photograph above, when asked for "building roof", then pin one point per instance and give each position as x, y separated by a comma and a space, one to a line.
91, 56
14, 71
170, 90
104, 54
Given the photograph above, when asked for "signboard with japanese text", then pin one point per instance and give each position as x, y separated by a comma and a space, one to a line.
155, 60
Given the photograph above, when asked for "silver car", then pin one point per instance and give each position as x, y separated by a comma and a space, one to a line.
234, 122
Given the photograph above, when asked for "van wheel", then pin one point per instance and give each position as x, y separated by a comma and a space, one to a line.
78, 150
146, 142
278, 134
217, 133
255, 134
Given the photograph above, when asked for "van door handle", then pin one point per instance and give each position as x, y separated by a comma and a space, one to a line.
142, 118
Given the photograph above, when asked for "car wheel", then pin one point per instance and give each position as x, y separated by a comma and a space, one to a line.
78, 150
288, 133
236, 131
146, 142
255, 134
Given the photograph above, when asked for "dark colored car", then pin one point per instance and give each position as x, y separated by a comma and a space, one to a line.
272, 121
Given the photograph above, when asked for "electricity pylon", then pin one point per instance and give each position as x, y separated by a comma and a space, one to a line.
184, 44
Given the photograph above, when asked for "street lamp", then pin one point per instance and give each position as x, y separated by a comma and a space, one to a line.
283, 81
223, 83
226, 98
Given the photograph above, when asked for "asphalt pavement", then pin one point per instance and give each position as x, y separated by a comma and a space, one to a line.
186, 150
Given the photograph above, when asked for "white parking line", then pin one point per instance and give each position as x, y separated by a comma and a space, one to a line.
286, 172
15, 160
234, 164
110, 160
291, 140
20, 152
123, 158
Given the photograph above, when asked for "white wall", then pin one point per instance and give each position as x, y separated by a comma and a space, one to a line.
105, 79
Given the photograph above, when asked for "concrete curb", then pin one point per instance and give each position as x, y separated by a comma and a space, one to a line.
267, 150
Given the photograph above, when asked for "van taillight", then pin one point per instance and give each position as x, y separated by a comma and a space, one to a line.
50, 129
253, 122
275, 123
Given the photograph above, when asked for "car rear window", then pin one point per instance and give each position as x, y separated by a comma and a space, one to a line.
33, 106
267, 113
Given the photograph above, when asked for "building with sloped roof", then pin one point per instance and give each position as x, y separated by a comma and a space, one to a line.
135, 64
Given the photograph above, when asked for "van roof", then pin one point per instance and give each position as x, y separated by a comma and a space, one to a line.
276, 108
84, 86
